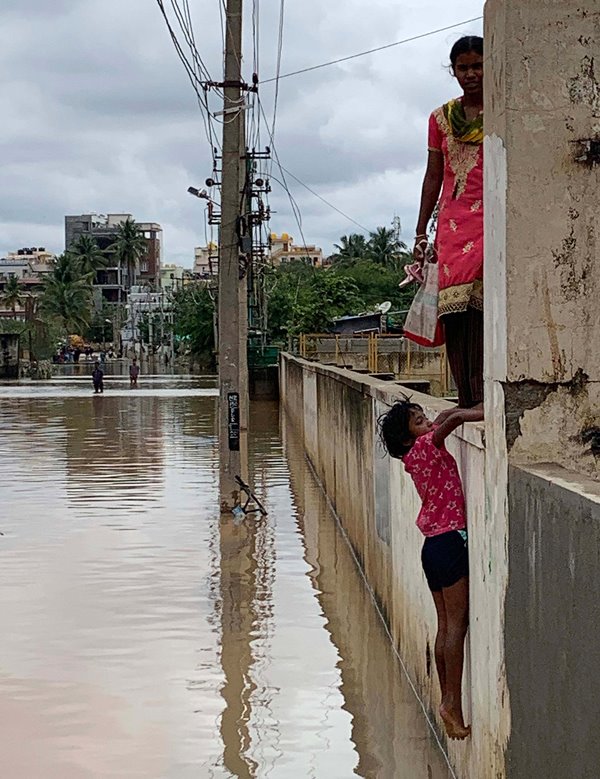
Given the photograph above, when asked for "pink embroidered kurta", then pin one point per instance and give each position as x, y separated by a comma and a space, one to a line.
436, 477
459, 240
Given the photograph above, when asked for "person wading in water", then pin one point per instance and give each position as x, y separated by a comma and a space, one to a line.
454, 182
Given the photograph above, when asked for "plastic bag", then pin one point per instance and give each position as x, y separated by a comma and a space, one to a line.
422, 322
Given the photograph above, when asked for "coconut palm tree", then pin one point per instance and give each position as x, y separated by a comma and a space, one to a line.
351, 248
385, 248
88, 254
12, 294
67, 295
129, 247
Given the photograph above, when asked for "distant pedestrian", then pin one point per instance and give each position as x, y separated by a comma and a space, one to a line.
409, 436
98, 379
134, 372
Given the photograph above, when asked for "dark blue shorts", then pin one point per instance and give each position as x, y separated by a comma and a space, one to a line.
445, 559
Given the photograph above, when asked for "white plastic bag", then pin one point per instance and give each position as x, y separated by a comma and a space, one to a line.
422, 323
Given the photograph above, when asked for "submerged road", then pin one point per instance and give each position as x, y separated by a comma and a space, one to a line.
145, 638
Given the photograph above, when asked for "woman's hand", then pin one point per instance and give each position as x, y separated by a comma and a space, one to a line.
420, 248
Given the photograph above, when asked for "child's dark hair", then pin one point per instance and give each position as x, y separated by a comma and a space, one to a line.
466, 45
393, 428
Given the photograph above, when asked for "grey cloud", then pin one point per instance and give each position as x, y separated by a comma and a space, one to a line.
99, 115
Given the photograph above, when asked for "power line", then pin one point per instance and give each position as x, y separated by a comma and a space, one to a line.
372, 51
335, 208
191, 74
295, 208
279, 53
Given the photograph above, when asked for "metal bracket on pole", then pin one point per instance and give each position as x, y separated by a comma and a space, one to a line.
243, 510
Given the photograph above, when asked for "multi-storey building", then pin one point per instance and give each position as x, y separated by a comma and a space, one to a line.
28, 265
206, 261
173, 277
283, 250
112, 282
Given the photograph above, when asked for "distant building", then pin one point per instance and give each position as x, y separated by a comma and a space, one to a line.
173, 277
28, 265
112, 283
38, 258
154, 307
151, 264
206, 261
284, 251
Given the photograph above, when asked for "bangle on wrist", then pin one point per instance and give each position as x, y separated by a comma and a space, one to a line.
422, 235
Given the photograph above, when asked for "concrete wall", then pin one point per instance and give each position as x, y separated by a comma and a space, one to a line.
542, 92
542, 378
336, 411
552, 618
531, 688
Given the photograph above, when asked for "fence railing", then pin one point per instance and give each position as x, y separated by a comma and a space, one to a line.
380, 353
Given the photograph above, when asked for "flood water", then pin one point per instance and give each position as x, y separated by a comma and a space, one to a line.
145, 637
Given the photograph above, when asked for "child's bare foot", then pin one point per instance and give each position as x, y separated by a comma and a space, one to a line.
454, 723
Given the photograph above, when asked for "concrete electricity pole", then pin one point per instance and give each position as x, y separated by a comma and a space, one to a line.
233, 366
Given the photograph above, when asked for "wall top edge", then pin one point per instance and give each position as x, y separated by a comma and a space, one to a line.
570, 481
388, 392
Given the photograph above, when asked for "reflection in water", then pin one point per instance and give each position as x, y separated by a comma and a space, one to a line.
149, 637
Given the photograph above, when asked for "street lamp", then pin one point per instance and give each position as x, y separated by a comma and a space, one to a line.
203, 194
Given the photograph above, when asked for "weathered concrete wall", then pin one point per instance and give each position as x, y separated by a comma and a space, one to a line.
542, 371
542, 150
531, 690
552, 618
377, 505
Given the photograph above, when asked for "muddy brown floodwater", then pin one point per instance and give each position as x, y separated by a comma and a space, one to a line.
144, 637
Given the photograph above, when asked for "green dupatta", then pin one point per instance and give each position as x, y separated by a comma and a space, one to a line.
463, 129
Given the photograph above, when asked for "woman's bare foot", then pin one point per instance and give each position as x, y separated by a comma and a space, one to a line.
454, 724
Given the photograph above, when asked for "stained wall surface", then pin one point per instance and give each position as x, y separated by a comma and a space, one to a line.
377, 506
542, 239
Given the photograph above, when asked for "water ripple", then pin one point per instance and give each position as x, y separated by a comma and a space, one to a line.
150, 637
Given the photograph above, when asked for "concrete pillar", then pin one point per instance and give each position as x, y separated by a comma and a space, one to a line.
542, 318
542, 231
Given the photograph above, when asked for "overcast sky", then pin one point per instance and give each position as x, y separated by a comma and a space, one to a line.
98, 115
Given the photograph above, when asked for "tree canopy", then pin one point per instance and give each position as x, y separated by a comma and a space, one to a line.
129, 247
88, 254
67, 295
12, 294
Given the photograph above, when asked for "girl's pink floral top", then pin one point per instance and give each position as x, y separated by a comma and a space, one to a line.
435, 474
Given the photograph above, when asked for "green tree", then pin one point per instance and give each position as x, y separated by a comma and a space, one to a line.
303, 299
88, 254
67, 295
350, 248
386, 249
193, 321
12, 294
378, 283
326, 297
129, 247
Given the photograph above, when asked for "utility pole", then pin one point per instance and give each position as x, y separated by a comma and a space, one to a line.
233, 368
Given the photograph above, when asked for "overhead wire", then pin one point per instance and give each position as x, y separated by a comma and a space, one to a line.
278, 66
192, 75
276, 78
324, 200
295, 208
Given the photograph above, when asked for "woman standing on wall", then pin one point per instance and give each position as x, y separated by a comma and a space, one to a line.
455, 167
